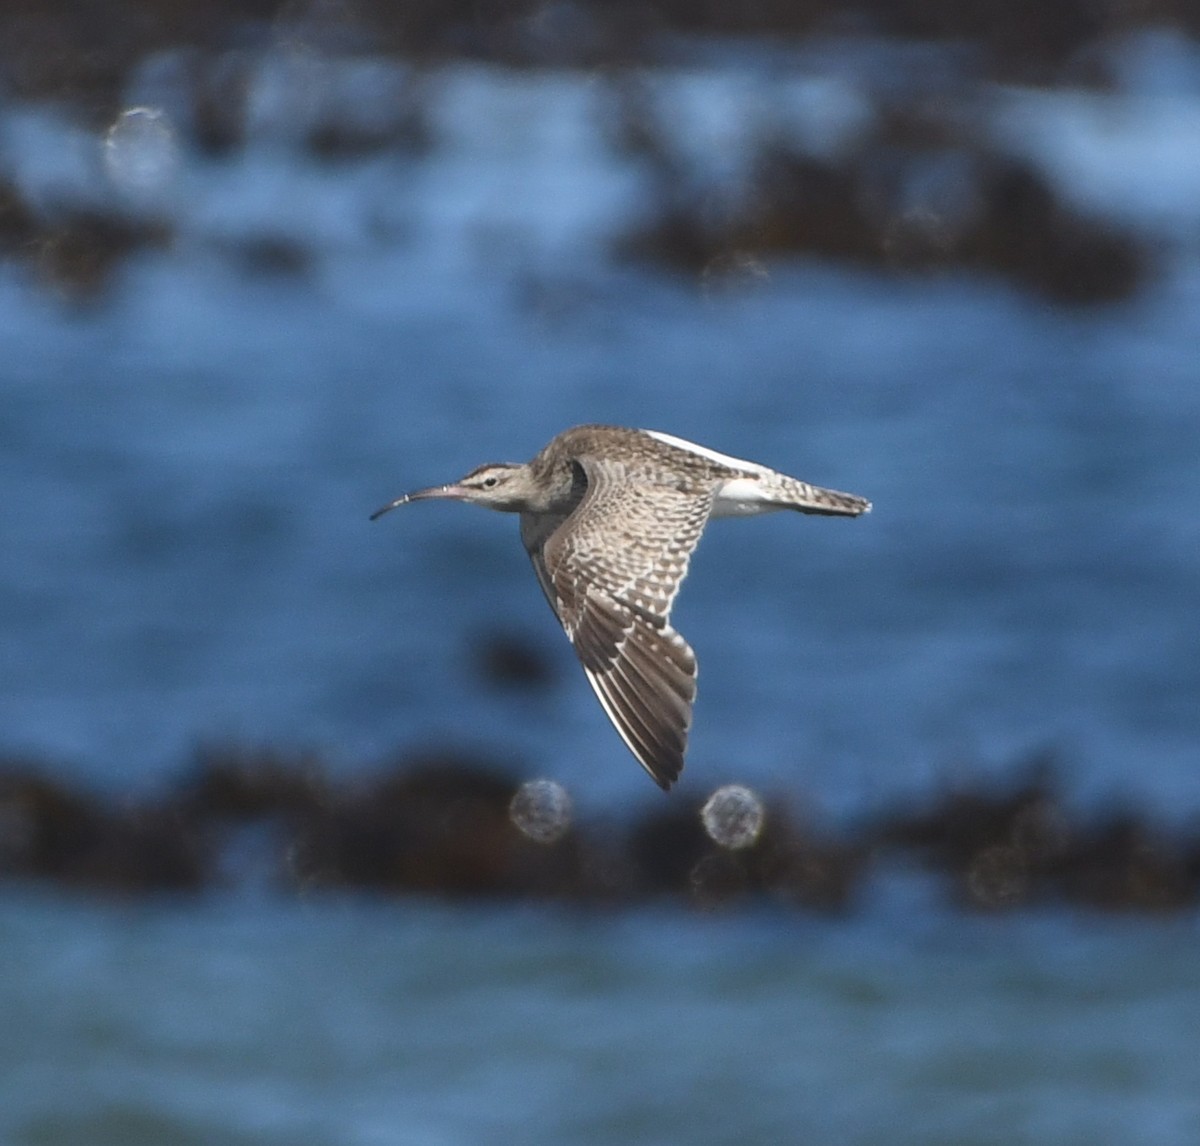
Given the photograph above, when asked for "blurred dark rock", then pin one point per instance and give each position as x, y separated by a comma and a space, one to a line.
239, 784
438, 826
218, 93
50, 832
962, 820
923, 193
77, 250
385, 111
332, 140
799, 866
269, 256
78, 254
798, 205
1027, 232
916, 196
147, 848
508, 660
81, 52
44, 825
1124, 864
441, 825
995, 845
1008, 848
665, 846
673, 856
18, 226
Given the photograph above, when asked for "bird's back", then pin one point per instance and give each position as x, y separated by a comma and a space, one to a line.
643, 453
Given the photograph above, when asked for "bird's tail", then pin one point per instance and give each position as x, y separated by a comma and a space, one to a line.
799, 495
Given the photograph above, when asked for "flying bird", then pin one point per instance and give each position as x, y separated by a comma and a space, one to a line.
610, 517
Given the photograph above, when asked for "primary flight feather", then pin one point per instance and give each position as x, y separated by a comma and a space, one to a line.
610, 517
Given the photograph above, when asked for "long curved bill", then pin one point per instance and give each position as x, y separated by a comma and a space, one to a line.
421, 494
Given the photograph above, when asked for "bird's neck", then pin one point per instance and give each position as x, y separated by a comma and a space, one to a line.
555, 487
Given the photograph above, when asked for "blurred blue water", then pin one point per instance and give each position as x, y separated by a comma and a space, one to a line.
331, 1025
188, 467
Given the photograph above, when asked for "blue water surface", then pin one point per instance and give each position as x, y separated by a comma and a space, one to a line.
188, 463
327, 1023
191, 465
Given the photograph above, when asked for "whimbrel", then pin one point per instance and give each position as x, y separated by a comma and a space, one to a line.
609, 517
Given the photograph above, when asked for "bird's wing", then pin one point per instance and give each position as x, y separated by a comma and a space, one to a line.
611, 570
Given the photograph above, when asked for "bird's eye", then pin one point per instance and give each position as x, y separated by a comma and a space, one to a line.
489, 482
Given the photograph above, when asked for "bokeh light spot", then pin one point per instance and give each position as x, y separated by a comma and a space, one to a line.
733, 816
541, 810
141, 151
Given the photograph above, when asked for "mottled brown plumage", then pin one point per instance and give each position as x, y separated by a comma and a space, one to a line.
610, 517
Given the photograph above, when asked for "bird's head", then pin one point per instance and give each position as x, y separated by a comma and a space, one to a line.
498, 485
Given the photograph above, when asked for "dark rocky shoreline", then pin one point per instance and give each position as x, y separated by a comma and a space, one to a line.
81, 52
440, 826
923, 192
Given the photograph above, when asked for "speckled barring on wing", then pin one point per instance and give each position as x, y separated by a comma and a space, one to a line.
610, 517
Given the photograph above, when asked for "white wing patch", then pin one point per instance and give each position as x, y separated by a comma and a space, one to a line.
705, 452
738, 497
743, 497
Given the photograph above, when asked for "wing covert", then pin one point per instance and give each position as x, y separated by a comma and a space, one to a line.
611, 570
